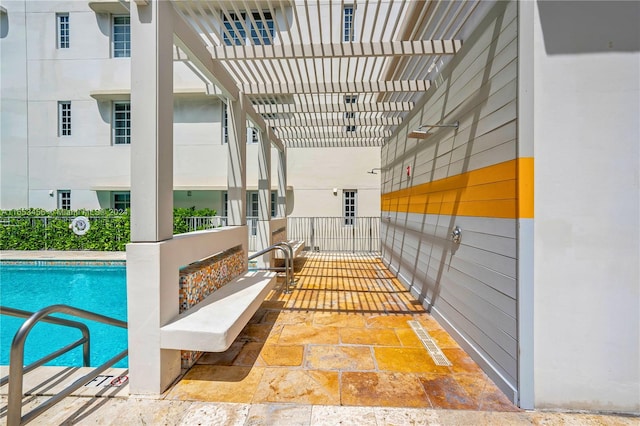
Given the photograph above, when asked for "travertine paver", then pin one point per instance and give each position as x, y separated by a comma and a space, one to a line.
146, 411
341, 337
363, 386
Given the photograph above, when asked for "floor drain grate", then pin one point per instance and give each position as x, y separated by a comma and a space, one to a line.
434, 350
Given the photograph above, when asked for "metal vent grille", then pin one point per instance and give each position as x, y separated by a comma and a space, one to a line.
434, 350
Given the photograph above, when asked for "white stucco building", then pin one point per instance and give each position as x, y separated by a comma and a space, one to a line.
516, 122
66, 101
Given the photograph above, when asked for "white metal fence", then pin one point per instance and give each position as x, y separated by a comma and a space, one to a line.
319, 233
331, 234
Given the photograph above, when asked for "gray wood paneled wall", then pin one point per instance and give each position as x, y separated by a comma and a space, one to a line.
458, 179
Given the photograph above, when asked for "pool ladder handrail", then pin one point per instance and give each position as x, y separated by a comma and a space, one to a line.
16, 358
288, 262
84, 341
289, 247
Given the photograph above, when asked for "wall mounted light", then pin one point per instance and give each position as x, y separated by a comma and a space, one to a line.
373, 171
335, 191
422, 132
188, 193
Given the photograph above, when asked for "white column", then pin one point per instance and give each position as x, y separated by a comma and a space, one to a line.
237, 171
525, 229
264, 196
151, 123
152, 291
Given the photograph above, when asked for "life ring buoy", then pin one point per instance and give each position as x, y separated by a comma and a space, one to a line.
119, 381
80, 225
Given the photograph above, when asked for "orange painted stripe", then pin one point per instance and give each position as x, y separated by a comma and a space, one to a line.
502, 190
525, 188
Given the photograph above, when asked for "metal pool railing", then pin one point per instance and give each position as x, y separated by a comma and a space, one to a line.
16, 360
326, 234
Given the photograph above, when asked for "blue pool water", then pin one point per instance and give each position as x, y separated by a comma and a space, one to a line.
100, 289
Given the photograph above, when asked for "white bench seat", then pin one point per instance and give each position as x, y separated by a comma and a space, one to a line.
296, 245
213, 324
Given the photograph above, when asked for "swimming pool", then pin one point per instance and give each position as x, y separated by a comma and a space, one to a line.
100, 289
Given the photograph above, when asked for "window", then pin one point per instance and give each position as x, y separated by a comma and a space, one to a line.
235, 34
348, 23
350, 99
252, 135
62, 21
225, 205
252, 212
252, 132
121, 200
225, 124
350, 116
64, 199
64, 118
349, 198
262, 32
121, 37
121, 123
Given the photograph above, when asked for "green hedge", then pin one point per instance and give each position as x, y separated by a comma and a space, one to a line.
38, 229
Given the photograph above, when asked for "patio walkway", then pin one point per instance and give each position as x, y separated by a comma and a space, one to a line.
342, 337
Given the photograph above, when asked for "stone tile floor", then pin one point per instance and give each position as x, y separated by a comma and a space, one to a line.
337, 351
341, 338
144, 411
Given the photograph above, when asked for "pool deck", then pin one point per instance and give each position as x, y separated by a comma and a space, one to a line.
328, 296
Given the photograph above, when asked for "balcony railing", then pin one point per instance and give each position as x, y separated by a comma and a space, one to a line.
319, 233
331, 234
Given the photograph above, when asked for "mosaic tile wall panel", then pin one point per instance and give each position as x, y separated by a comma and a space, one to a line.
200, 279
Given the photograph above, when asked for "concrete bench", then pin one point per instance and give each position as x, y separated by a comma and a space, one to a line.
296, 245
213, 324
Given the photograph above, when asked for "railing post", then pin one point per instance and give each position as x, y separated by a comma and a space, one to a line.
370, 235
353, 236
313, 236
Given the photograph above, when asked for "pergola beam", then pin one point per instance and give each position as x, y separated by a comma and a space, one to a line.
336, 143
335, 121
190, 42
288, 133
341, 107
346, 87
336, 50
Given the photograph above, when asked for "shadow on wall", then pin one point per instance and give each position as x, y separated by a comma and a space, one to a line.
590, 26
4, 24
290, 201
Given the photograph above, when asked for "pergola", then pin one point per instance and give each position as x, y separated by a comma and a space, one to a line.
325, 73
304, 74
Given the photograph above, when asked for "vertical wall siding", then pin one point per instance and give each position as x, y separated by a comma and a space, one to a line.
467, 177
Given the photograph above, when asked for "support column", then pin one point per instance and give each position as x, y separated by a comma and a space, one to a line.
525, 227
152, 123
264, 196
237, 171
151, 291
